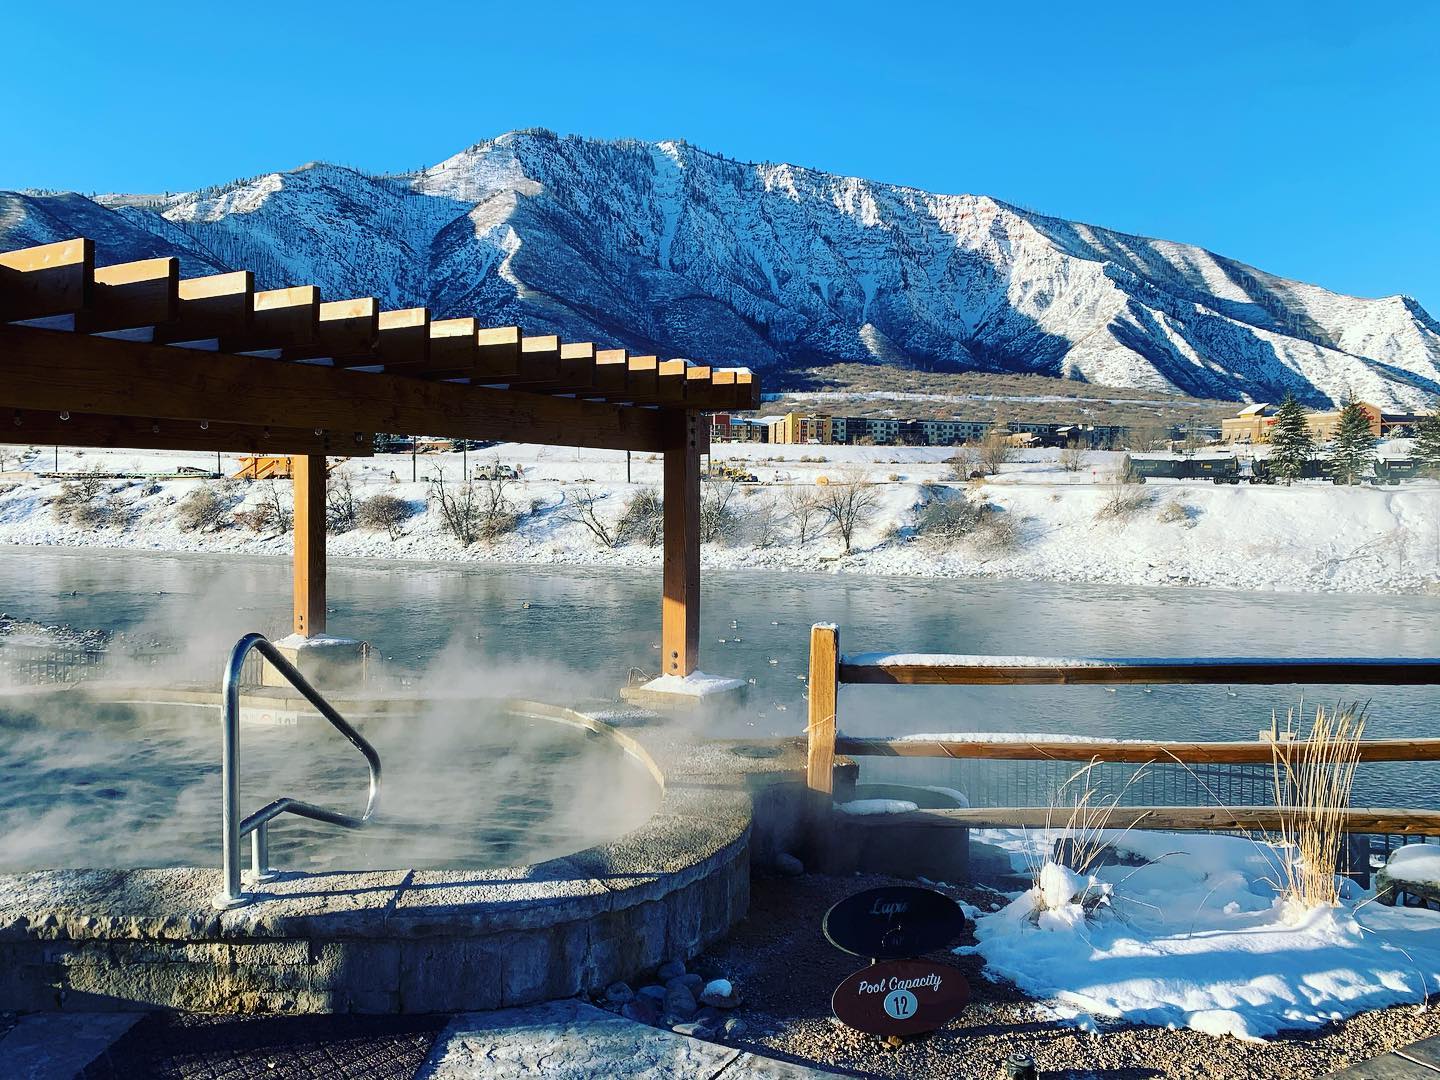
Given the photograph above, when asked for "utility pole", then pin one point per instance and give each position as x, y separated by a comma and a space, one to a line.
414, 464
627, 466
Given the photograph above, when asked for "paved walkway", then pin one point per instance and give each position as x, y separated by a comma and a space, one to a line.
562, 1040
569, 1040
1418, 1061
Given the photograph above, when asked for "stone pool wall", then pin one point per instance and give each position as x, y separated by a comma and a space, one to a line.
397, 940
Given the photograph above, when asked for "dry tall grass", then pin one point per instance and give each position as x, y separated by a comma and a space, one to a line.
1085, 834
1313, 777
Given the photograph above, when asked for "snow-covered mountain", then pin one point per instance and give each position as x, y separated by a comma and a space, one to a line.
665, 248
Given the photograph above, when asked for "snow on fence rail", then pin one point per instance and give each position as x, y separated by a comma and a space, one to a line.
829, 669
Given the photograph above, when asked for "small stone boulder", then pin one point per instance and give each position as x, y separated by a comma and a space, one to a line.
721, 993
690, 981
618, 993
733, 1027
654, 992
695, 1029
680, 1002
670, 969
789, 865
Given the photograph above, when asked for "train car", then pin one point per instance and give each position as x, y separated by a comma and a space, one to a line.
1218, 470
1155, 468
1262, 472
1393, 470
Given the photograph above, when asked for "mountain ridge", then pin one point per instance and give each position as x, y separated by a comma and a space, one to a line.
663, 247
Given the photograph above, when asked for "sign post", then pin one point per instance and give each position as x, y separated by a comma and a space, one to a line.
897, 995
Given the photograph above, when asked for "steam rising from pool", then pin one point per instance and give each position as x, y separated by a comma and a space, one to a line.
467, 783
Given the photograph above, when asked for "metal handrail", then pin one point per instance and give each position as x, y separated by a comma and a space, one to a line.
257, 825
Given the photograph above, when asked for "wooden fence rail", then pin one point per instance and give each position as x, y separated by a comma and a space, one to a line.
829, 668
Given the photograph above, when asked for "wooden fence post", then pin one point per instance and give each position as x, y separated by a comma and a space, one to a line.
820, 729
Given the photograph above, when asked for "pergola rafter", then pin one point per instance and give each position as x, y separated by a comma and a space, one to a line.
133, 355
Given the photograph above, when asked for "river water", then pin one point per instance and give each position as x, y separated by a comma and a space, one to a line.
568, 635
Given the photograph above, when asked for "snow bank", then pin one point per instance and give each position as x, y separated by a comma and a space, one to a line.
1198, 938
1309, 537
1415, 864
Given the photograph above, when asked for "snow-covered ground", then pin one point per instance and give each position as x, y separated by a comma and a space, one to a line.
1309, 537
1193, 935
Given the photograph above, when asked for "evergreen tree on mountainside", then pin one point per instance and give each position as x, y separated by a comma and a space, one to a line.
1354, 444
1427, 444
1291, 441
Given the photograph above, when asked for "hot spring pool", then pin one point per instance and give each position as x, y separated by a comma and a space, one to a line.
472, 785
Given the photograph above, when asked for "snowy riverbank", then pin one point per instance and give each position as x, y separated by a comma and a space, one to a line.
1310, 537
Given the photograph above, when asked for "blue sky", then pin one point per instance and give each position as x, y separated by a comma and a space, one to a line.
1301, 137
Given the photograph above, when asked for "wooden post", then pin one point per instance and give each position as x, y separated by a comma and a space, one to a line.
680, 604
824, 689
308, 473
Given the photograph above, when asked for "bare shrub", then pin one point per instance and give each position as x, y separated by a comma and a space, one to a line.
945, 517
1072, 458
205, 508
763, 523
119, 512
994, 452
848, 504
1175, 512
1122, 501
384, 512
76, 500
474, 509
962, 463
341, 505
719, 519
1313, 777
998, 533
802, 507
643, 519
580, 505
270, 514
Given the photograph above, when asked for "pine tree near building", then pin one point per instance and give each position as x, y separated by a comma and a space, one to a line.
1354, 444
1291, 441
1427, 444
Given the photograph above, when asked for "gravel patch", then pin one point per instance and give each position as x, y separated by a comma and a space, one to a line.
787, 971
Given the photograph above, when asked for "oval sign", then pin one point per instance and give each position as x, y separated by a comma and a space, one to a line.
893, 922
901, 997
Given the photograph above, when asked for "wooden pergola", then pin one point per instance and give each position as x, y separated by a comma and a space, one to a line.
132, 355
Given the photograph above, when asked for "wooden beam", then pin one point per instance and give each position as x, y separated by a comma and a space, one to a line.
210, 308
282, 319
642, 378
1169, 818
499, 353
454, 352
134, 433
48, 280
539, 362
402, 342
309, 562
1128, 751
130, 295
680, 604
612, 368
346, 331
953, 670
51, 370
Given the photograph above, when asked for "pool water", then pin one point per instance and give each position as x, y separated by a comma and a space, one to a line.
469, 786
